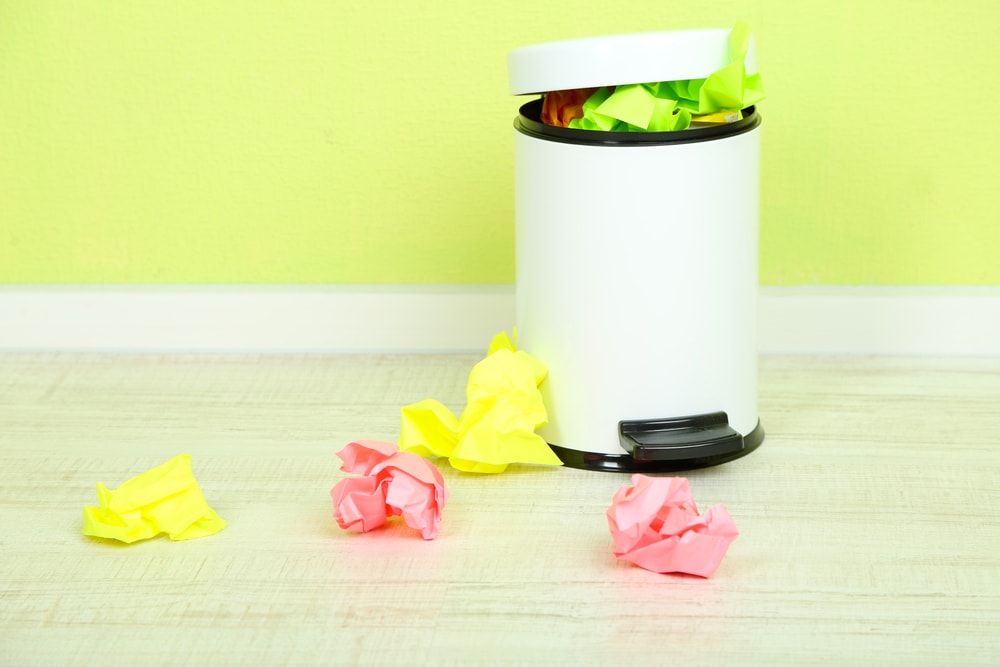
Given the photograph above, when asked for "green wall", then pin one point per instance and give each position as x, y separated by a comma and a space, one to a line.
335, 142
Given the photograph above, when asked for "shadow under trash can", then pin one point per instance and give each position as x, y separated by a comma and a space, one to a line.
637, 237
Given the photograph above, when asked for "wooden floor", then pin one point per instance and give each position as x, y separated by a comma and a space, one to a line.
869, 519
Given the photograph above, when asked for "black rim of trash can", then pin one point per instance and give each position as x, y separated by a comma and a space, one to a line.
529, 122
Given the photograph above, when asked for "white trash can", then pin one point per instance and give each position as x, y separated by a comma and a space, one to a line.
637, 263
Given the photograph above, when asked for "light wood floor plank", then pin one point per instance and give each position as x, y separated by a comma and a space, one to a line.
869, 519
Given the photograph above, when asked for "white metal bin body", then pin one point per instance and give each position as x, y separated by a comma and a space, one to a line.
637, 281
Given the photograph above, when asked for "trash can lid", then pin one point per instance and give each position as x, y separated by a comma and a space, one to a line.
645, 57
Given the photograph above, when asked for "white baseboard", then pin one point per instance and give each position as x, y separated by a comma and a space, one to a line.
794, 320
880, 320
253, 318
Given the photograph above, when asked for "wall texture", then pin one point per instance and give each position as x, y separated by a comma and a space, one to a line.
320, 142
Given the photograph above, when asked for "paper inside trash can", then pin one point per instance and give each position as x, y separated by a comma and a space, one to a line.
662, 106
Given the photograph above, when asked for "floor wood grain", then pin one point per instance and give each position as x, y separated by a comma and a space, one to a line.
869, 523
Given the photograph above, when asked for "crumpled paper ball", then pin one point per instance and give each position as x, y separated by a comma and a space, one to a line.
655, 524
497, 427
392, 483
164, 499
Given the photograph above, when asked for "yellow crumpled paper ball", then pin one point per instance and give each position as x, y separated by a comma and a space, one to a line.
497, 428
164, 499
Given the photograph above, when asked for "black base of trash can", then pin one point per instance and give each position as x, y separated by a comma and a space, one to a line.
737, 447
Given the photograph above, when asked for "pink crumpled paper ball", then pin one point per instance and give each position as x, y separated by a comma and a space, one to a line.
393, 483
655, 524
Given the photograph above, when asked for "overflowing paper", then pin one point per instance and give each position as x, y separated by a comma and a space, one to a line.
165, 499
645, 107
391, 483
662, 106
497, 427
655, 524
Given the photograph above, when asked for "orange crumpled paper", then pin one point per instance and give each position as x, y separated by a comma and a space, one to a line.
655, 524
561, 106
392, 483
